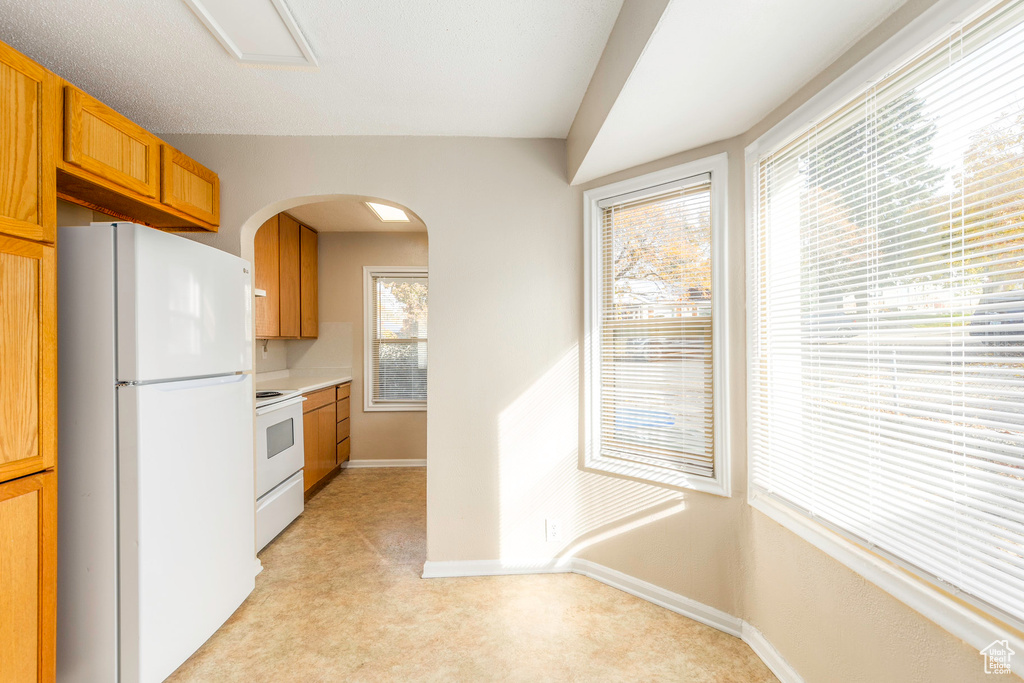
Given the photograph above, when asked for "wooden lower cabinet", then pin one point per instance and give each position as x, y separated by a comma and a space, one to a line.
326, 440
325, 431
311, 440
28, 578
318, 427
343, 432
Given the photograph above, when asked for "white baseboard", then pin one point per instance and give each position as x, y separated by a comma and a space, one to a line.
680, 604
771, 657
358, 464
438, 570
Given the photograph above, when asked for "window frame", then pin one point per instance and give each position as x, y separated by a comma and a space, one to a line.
370, 324
963, 618
591, 459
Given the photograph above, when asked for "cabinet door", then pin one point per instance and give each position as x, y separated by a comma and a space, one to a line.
267, 259
28, 163
99, 140
289, 274
311, 437
188, 186
28, 578
28, 357
328, 458
310, 274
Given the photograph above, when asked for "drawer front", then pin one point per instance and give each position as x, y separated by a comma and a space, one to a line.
344, 390
99, 140
188, 186
343, 409
344, 450
343, 430
318, 399
278, 509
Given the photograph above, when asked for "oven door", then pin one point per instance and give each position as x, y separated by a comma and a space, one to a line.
280, 452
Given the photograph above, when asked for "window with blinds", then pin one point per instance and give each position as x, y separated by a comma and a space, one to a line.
397, 339
887, 316
654, 365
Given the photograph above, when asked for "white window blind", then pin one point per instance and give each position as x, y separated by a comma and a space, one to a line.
398, 344
887, 321
655, 365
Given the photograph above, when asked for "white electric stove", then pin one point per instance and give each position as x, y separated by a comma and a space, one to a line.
280, 455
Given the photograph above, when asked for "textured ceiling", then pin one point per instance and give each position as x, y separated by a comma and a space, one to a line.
349, 213
510, 68
712, 70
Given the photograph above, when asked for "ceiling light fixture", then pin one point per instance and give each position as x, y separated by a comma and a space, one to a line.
388, 214
256, 31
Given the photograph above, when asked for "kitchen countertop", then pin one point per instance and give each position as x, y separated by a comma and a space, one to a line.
302, 381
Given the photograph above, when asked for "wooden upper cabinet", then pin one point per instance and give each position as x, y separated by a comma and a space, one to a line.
28, 357
28, 141
286, 264
109, 146
28, 578
189, 186
309, 268
267, 259
290, 276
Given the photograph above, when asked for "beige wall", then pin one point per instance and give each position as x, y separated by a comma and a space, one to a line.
375, 435
505, 266
69, 214
504, 425
276, 357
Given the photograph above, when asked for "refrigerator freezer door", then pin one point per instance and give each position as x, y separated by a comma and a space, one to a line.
184, 308
187, 517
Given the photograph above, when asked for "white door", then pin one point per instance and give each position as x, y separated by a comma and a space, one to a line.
184, 309
187, 518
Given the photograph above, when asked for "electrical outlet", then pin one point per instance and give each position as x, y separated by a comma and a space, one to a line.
553, 530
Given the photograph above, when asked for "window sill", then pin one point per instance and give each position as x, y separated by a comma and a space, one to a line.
657, 476
395, 408
960, 619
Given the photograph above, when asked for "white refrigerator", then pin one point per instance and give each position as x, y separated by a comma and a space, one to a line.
156, 518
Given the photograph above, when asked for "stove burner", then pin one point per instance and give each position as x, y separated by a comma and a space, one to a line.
267, 394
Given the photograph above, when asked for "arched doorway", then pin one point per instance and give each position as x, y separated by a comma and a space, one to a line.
366, 260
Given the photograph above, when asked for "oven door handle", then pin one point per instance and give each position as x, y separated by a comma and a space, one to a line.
278, 406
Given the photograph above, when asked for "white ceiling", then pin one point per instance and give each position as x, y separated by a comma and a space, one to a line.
712, 70
514, 68
350, 214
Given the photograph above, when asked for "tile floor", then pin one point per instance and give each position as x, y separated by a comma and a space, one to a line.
340, 598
